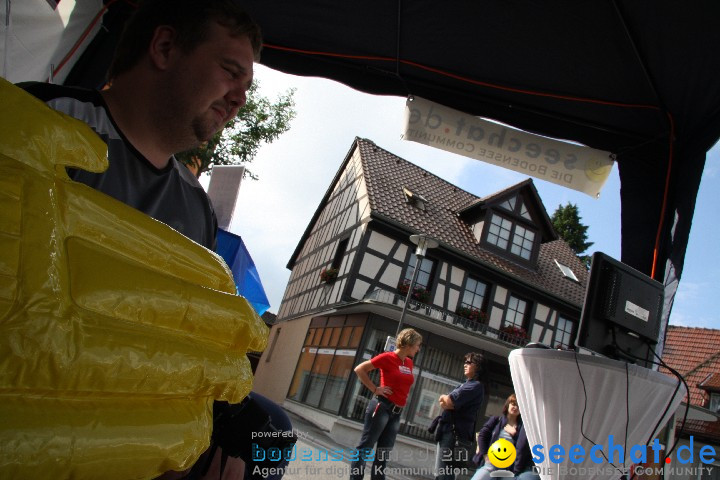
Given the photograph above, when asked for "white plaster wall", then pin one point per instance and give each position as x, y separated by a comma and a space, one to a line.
401, 252
495, 317
541, 312
456, 276
500, 295
547, 339
443, 271
439, 295
381, 243
370, 265
453, 297
347, 263
477, 230
359, 289
272, 378
391, 276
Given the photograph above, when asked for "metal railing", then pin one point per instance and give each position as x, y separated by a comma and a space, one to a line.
444, 316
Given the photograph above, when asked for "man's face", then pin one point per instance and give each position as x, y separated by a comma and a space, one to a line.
207, 86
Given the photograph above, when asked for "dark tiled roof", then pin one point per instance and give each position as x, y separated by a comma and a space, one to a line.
695, 354
386, 174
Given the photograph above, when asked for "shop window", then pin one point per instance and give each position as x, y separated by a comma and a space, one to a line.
325, 364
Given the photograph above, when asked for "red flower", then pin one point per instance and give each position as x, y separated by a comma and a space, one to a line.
328, 275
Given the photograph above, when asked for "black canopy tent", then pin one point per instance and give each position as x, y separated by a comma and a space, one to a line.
634, 78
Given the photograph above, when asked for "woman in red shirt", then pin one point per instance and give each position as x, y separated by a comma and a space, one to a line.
382, 417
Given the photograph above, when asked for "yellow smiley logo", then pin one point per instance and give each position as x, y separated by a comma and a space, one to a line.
598, 169
502, 453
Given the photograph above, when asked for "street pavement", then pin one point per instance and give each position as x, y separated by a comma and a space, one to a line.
312, 460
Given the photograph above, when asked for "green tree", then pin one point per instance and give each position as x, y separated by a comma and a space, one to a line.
567, 223
259, 121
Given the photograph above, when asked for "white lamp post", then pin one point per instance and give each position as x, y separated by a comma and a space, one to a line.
423, 242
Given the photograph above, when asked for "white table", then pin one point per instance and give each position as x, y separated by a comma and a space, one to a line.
549, 388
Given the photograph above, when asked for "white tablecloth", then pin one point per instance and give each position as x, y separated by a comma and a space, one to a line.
550, 395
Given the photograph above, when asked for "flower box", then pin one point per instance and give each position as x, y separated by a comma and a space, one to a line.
419, 293
328, 275
515, 334
471, 313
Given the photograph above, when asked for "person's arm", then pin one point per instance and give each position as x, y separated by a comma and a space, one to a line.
523, 460
463, 395
363, 371
485, 434
446, 402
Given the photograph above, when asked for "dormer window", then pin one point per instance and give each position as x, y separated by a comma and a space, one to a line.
517, 206
509, 204
523, 242
499, 232
414, 199
524, 212
508, 235
714, 404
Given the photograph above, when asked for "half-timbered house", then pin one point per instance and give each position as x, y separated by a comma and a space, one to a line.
499, 278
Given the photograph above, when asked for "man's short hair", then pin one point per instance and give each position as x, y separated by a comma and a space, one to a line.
191, 19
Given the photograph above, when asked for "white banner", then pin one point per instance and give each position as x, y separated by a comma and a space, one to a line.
572, 166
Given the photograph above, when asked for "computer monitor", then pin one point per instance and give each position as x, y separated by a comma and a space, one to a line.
621, 313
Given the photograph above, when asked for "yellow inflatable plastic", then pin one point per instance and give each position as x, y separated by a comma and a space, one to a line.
116, 332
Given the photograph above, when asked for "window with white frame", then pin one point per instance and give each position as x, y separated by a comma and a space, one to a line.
474, 295
515, 312
499, 232
424, 272
508, 235
563, 332
523, 242
714, 404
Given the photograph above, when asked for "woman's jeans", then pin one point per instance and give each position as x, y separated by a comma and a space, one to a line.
443, 468
381, 427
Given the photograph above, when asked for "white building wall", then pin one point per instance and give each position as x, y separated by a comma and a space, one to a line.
346, 206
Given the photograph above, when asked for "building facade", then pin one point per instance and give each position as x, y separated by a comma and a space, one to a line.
695, 354
499, 278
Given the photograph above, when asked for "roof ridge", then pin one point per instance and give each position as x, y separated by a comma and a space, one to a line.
700, 365
693, 328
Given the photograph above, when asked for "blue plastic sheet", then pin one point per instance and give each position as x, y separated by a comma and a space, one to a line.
247, 280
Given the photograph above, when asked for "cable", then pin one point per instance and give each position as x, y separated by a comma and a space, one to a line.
463, 78
397, 60
687, 404
663, 209
627, 412
582, 418
672, 398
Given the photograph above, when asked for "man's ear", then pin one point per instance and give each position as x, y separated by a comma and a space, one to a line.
162, 46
